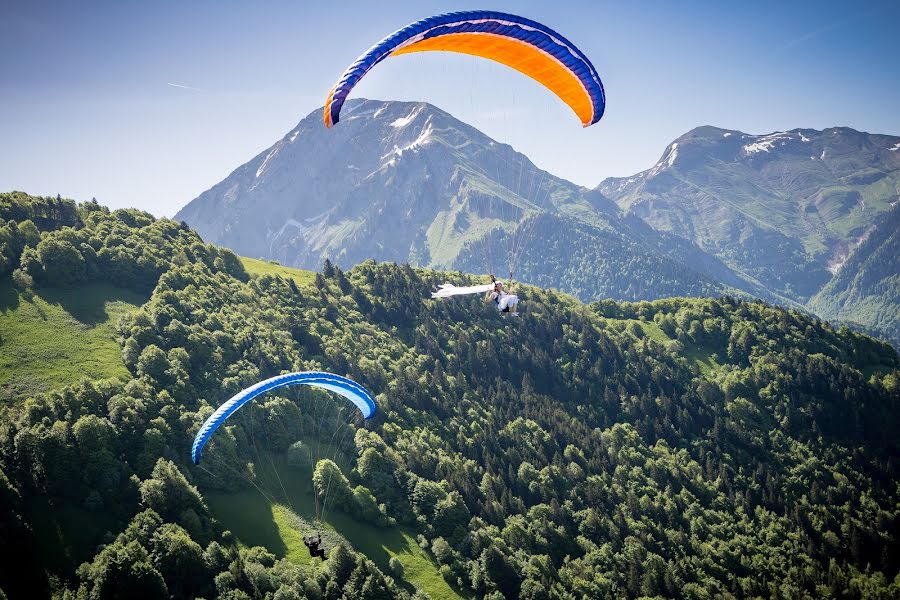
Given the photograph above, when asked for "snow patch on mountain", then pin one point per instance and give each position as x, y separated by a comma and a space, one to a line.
404, 121
757, 147
672, 155
667, 160
766, 143
262, 167
423, 136
896, 147
419, 142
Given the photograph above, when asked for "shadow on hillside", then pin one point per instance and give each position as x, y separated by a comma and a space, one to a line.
388, 539
249, 517
87, 304
9, 296
67, 535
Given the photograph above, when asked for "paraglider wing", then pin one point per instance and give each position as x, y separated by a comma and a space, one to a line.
347, 388
522, 44
448, 289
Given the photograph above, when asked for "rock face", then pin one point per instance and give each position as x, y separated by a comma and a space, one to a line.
393, 181
785, 209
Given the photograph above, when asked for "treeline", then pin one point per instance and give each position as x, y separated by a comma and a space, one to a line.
57, 243
576, 452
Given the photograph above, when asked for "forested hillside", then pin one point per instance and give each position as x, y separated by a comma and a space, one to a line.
686, 448
594, 263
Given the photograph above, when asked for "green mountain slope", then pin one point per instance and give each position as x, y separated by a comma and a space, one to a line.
594, 263
260, 267
866, 289
56, 337
782, 208
674, 448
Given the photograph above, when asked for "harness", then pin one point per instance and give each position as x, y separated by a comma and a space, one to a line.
499, 295
497, 302
313, 546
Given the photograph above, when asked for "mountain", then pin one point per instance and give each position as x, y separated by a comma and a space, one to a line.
784, 209
406, 182
774, 216
396, 180
866, 289
697, 448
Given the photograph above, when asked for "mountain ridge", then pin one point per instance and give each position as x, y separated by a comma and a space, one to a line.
801, 198
407, 182
772, 216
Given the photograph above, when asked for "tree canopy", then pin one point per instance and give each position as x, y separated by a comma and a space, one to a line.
685, 448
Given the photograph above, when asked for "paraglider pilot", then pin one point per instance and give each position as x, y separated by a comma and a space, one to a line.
314, 546
508, 303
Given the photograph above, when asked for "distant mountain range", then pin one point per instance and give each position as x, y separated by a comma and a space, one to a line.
785, 209
776, 216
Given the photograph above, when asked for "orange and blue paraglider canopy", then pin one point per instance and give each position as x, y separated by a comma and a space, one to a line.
522, 44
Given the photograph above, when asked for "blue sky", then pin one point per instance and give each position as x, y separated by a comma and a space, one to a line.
90, 104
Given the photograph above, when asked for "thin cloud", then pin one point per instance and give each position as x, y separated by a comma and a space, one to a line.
817, 32
831, 27
186, 87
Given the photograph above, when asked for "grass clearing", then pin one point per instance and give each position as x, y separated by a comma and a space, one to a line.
254, 266
292, 528
700, 357
56, 337
652, 331
279, 519
703, 360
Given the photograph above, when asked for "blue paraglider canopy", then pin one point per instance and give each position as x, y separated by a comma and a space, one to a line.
347, 388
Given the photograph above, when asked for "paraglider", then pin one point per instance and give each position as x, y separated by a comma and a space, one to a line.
347, 388
314, 545
494, 292
506, 303
519, 43
524, 45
